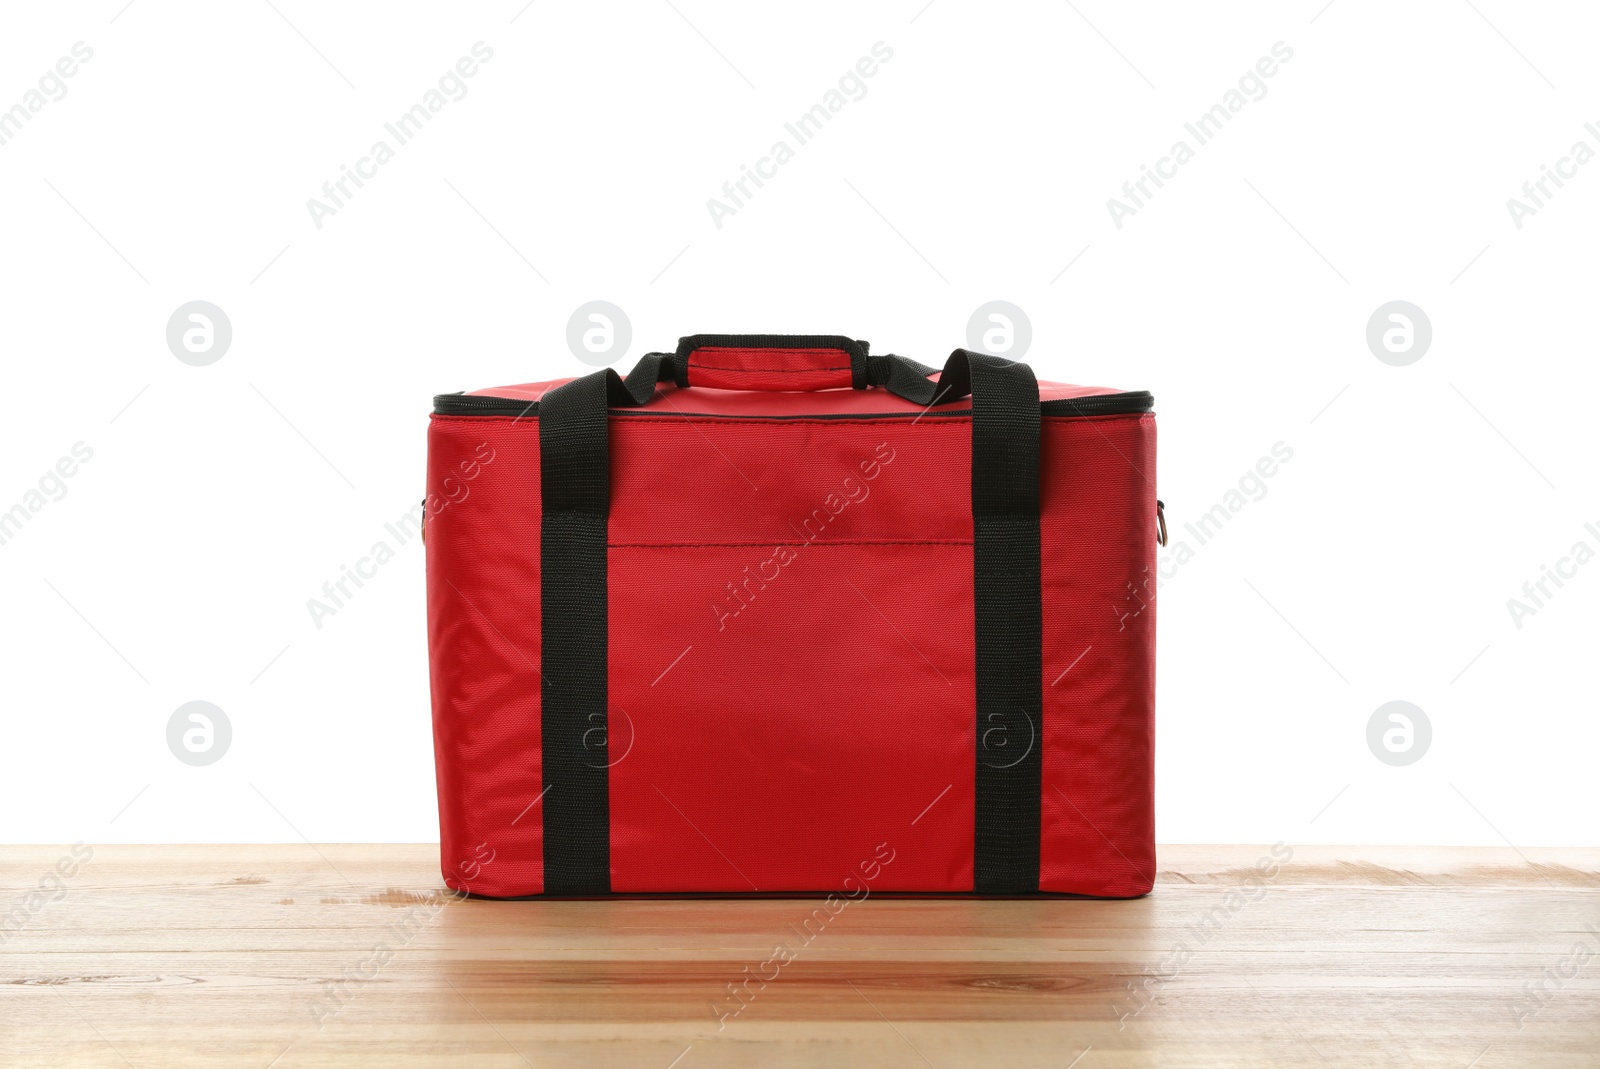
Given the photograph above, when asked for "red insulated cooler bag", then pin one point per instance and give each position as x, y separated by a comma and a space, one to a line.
776, 616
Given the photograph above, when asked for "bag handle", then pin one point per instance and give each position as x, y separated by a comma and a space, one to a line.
786, 362
778, 362
900, 375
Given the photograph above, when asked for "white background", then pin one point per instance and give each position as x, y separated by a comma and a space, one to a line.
977, 166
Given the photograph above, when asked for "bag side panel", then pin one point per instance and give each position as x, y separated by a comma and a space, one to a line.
1098, 540
484, 651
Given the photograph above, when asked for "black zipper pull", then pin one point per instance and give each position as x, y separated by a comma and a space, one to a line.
1161, 523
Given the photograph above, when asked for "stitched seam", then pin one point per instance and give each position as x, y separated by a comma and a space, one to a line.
785, 542
638, 416
1100, 419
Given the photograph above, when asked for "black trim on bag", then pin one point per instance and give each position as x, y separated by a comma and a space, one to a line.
1129, 403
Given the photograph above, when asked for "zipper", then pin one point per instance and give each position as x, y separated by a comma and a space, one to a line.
459, 404
1105, 404
1101, 404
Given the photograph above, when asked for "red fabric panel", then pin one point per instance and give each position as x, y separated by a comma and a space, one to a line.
721, 368
783, 728
777, 752
483, 641
676, 481
1098, 543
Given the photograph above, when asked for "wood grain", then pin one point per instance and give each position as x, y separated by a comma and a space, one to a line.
286, 956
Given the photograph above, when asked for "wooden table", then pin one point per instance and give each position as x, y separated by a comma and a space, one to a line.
284, 956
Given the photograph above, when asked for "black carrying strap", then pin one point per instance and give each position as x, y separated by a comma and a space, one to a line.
1008, 615
904, 377
1008, 618
575, 488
